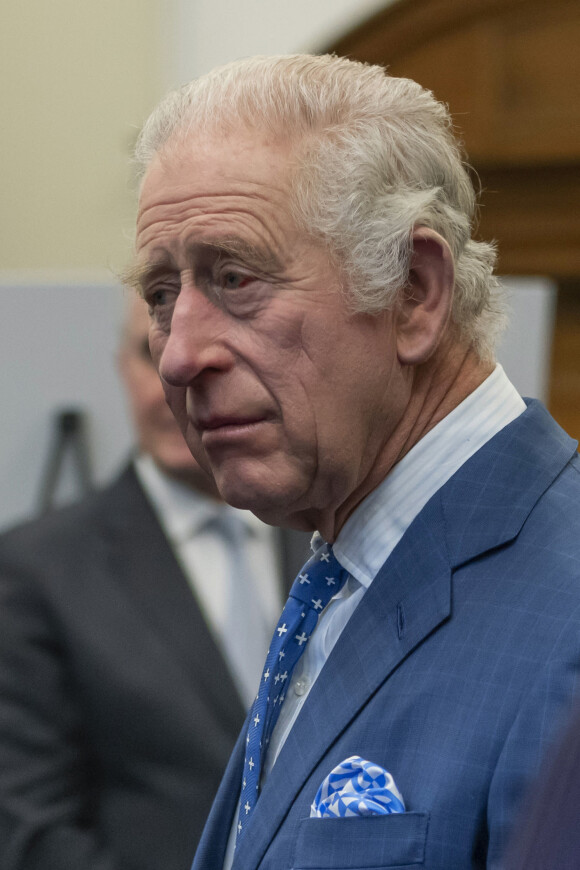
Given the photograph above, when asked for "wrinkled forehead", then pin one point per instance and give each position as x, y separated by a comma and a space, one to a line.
214, 162
233, 133
213, 173
231, 194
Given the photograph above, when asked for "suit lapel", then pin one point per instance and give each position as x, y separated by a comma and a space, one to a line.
483, 506
486, 503
211, 851
159, 589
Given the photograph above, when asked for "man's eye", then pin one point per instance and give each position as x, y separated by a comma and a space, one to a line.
235, 281
160, 302
157, 297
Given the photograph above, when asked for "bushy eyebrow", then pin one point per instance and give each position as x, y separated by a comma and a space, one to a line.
262, 258
136, 275
132, 276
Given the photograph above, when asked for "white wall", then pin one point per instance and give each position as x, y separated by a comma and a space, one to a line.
77, 79
211, 32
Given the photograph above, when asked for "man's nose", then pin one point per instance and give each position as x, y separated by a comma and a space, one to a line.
196, 343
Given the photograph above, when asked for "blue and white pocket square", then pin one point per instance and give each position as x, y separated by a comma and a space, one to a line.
357, 788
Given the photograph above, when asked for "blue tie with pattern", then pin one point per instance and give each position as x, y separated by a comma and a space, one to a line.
320, 579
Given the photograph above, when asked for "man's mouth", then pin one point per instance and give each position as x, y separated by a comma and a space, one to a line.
223, 431
225, 422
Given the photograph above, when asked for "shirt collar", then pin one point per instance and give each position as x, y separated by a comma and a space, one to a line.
380, 521
184, 511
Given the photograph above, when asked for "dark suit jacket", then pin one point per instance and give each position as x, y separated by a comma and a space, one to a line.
117, 712
452, 674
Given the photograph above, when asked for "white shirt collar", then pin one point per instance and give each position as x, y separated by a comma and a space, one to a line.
377, 525
183, 511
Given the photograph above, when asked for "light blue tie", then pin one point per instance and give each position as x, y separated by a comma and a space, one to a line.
247, 630
320, 579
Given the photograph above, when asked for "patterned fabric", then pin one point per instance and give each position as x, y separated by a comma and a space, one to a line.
320, 579
357, 788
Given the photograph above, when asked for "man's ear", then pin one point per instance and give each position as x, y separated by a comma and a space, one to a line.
425, 307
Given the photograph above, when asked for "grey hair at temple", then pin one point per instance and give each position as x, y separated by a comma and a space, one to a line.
374, 157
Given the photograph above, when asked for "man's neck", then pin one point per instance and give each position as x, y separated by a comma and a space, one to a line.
436, 388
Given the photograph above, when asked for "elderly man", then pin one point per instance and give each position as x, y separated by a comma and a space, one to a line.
122, 687
324, 328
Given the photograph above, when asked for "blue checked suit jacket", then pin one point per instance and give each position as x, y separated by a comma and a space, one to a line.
454, 673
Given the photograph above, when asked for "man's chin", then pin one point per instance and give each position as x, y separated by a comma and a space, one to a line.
270, 498
247, 498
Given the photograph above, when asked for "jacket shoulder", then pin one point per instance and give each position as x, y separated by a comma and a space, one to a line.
66, 532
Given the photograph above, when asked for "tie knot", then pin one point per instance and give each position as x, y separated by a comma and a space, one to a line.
321, 578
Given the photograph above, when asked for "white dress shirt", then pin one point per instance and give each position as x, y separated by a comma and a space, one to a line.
193, 523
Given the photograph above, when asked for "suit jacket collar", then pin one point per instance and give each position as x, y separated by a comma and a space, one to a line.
483, 506
158, 589
489, 499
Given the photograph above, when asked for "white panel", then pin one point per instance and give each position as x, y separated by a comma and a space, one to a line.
57, 349
526, 346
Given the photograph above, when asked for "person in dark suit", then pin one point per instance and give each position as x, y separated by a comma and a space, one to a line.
119, 705
324, 327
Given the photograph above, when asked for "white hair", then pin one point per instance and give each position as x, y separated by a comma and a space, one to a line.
375, 157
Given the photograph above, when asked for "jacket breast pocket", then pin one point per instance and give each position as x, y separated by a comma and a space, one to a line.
369, 843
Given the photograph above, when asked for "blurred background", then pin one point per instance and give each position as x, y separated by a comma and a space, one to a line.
79, 78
